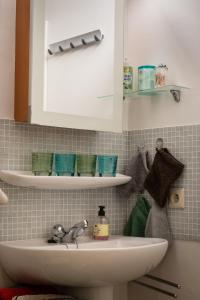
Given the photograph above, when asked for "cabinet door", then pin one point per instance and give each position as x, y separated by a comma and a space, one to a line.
82, 87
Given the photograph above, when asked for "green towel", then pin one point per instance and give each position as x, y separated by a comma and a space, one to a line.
137, 220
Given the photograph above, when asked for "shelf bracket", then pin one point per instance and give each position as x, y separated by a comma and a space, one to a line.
176, 95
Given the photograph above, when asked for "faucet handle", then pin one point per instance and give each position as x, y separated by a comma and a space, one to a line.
58, 231
85, 223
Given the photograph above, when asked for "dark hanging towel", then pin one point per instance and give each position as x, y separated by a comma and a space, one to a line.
138, 168
165, 170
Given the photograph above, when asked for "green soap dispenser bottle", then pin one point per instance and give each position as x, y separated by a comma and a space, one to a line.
101, 227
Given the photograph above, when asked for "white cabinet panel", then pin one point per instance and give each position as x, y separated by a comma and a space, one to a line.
66, 89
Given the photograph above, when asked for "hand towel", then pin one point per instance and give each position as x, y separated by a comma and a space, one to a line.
137, 220
157, 225
138, 170
164, 171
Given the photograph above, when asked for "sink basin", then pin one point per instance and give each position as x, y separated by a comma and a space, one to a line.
95, 263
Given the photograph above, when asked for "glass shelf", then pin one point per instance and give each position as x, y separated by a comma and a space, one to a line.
174, 90
156, 91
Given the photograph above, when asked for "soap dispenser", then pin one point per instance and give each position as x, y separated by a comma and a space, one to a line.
101, 227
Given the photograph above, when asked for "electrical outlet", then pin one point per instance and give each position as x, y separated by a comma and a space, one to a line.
176, 198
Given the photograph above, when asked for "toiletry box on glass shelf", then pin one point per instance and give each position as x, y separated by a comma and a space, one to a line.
27, 179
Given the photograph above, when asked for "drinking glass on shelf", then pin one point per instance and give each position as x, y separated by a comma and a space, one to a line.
42, 163
107, 165
64, 164
86, 164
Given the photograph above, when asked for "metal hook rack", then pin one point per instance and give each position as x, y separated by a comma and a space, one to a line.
78, 41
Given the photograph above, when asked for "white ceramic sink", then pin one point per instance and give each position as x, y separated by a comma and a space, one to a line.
95, 263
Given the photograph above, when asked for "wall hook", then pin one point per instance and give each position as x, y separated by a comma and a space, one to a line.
159, 143
61, 48
84, 42
96, 38
72, 45
50, 52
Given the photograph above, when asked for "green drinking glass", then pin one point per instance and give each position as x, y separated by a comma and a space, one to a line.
42, 163
86, 164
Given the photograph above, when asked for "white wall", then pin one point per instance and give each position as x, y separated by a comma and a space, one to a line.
167, 32
7, 57
181, 265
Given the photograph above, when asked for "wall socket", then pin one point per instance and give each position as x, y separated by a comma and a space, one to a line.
176, 198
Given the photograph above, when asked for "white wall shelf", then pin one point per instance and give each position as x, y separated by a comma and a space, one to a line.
27, 179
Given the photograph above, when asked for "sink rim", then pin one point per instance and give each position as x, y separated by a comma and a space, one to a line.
28, 244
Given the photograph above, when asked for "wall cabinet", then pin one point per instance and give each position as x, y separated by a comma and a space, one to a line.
68, 88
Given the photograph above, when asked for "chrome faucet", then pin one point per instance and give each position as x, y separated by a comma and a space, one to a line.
60, 235
76, 231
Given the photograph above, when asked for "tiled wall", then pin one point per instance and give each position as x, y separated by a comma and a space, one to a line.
184, 143
31, 213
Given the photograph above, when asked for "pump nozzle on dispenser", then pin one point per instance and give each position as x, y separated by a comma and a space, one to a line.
101, 211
